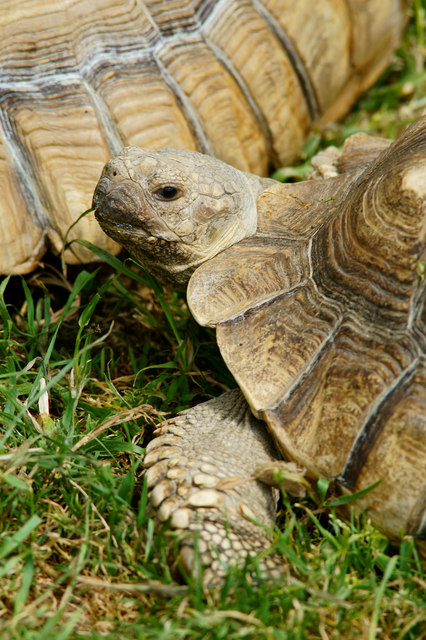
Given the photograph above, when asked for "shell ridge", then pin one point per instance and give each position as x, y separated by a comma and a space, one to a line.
187, 109
106, 122
416, 305
300, 69
324, 242
228, 285
251, 101
27, 182
374, 425
305, 372
263, 303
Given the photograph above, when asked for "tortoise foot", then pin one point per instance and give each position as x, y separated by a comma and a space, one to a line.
201, 473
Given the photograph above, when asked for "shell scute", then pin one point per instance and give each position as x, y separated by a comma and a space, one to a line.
246, 276
271, 346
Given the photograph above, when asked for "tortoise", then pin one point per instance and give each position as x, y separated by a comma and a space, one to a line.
317, 293
243, 80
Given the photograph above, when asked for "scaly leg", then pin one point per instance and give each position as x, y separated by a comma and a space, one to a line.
200, 472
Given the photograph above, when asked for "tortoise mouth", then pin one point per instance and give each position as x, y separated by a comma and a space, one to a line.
120, 210
119, 205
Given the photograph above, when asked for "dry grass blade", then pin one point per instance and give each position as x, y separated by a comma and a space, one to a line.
143, 410
150, 586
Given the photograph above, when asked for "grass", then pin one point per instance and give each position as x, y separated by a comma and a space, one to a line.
89, 363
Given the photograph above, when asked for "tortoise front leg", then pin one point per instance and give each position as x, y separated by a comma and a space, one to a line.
200, 472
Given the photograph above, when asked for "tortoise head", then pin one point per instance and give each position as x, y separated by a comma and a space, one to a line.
174, 209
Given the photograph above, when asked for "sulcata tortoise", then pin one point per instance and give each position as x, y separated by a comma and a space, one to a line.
317, 293
241, 79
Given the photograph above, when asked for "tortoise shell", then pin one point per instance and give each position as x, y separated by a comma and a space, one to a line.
321, 318
241, 80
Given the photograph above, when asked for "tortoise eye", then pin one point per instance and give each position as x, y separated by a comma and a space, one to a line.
167, 193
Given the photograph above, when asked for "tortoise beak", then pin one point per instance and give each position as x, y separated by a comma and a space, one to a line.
118, 203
